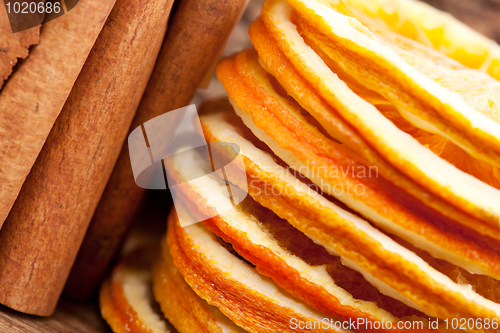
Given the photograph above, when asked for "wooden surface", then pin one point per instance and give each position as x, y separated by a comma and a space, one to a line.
68, 317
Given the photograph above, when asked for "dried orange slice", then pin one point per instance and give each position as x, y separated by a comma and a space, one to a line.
280, 124
180, 304
458, 103
298, 88
126, 298
437, 143
220, 125
291, 259
274, 187
249, 299
269, 184
421, 286
275, 62
400, 149
429, 26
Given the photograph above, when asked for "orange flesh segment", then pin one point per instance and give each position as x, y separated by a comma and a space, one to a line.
438, 144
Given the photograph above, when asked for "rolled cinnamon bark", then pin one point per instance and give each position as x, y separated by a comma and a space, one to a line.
34, 96
198, 30
42, 235
13, 45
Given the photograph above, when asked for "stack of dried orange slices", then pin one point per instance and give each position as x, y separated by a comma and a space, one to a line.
370, 137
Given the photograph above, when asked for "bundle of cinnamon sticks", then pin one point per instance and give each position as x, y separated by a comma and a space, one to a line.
81, 83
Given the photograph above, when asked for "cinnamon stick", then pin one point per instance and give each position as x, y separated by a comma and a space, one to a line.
34, 96
196, 34
13, 45
41, 237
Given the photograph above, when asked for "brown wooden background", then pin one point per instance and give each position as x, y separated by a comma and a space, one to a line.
482, 15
